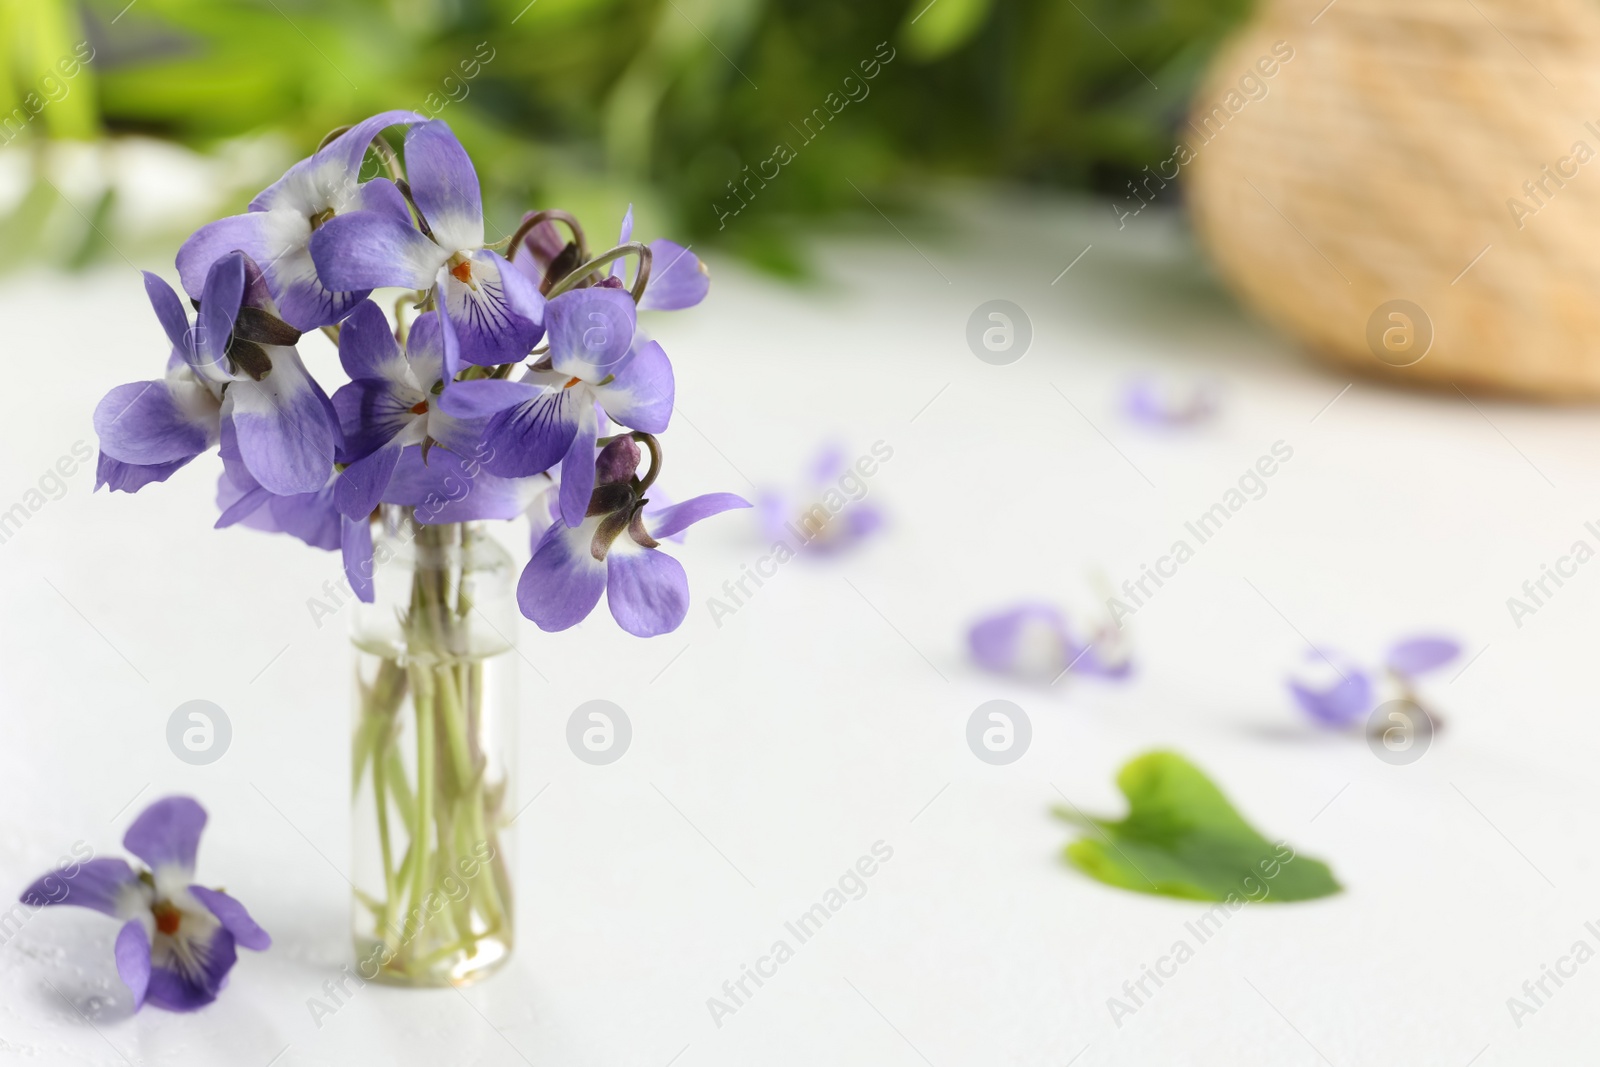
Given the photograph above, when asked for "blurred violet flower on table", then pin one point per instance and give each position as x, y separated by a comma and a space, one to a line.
831, 514
1034, 640
177, 941
1339, 693
1166, 405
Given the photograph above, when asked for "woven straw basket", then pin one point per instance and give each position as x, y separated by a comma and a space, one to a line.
1381, 161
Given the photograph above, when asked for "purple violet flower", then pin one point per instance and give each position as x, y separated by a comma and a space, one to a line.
177, 941
1163, 405
1338, 693
834, 516
236, 363
423, 424
549, 416
277, 229
392, 401
611, 551
497, 314
1033, 640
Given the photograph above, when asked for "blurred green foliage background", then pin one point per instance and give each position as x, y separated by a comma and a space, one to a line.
590, 103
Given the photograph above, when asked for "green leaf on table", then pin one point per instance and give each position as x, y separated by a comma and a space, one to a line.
1182, 838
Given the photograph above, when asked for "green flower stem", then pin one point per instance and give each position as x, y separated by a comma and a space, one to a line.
450, 890
423, 698
390, 886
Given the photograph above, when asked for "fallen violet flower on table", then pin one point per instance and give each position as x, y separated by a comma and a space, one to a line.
1338, 693
1167, 406
833, 514
1034, 640
177, 941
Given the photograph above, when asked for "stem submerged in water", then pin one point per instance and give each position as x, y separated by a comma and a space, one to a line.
444, 915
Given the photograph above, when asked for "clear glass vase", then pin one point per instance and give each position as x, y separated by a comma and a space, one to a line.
432, 756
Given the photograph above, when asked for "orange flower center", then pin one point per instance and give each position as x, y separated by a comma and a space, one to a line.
571, 383
462, 272
167, 917
419, 408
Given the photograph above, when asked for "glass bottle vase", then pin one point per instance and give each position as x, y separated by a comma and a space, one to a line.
432, 755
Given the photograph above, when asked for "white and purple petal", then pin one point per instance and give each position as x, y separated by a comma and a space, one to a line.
372, 413
577, 468
304, 302
160, 422
445, 186
563, 581
263, 236
188, 970
464, 437
330, 177
367, 348
496, 312
425, 349
310, 517
591, 331
355, 543
166, 835
122, 477
246, 505
104, 884
234, 918
220, 301
360, 487
1332, 690
646, 589
169, 310
533, 435
365, 250
1030, 639
485, 397
286, 426
1418, 655
642, 393
133, 958
674, 518
677, 278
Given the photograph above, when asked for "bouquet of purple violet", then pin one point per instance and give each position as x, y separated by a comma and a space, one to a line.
489, 391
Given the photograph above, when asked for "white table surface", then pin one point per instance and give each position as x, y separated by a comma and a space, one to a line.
773, 751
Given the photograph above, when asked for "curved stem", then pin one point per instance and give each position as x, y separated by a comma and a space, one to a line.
649, 441
583, 270
391, 162
551, 215
330, 135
